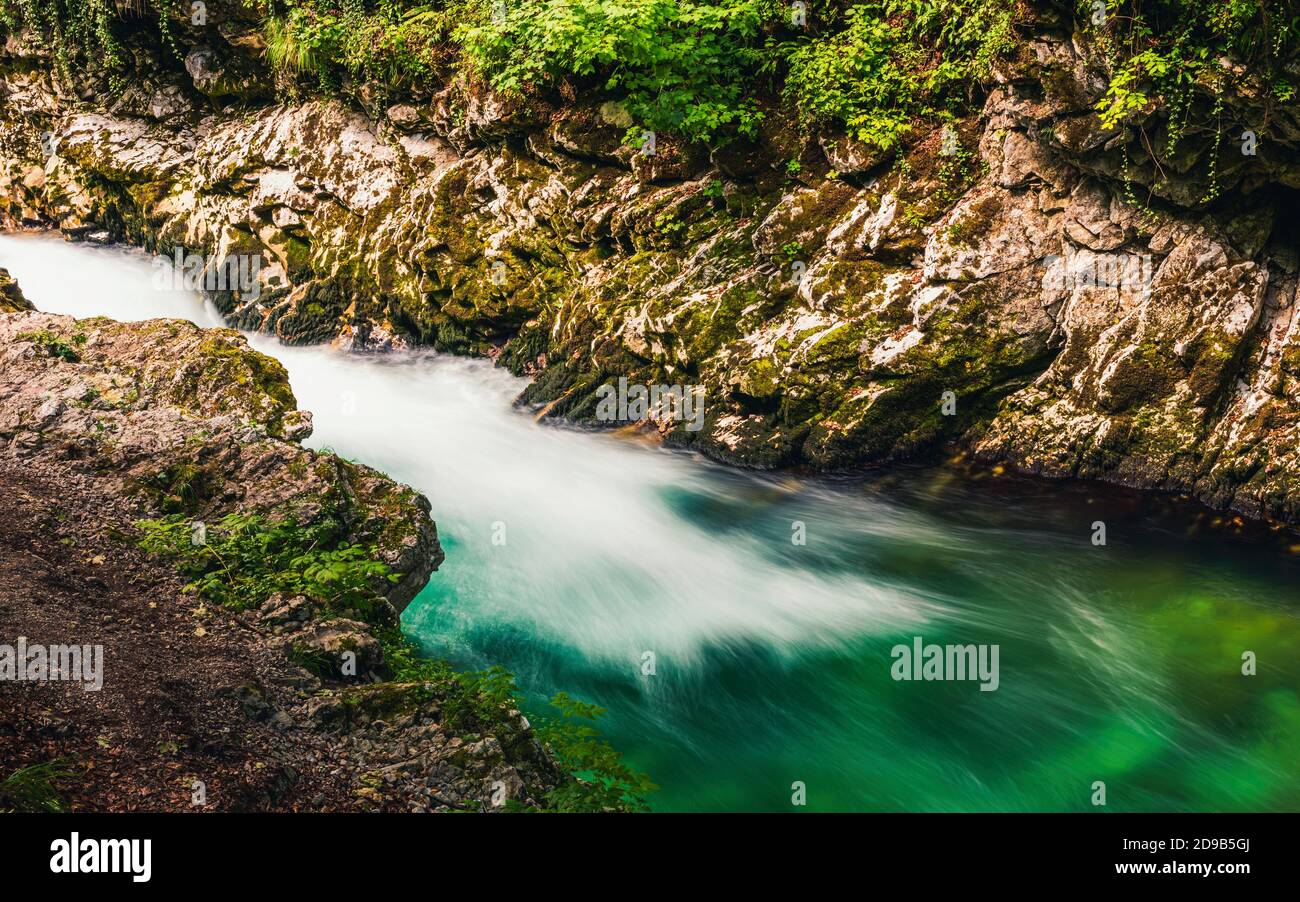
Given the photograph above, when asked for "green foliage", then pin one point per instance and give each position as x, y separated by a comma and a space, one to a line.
35, 788
53, 345
484, 696
245, 559
300, 42
179, 487
475, 700
704, 69
604, 781
699, 68
884, 64
471, 701
389, 42
679, 65
1163, 52
77, 31
668, 224
696, 68
1160, 49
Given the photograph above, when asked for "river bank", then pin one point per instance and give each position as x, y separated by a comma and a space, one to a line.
240, 594
1120, 662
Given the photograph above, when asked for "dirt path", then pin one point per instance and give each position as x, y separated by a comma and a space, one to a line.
187, 695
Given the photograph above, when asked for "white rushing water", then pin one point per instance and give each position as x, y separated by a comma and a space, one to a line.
84, 280
568, 535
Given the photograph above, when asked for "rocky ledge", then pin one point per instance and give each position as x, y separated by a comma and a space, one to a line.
193, 420
117, 440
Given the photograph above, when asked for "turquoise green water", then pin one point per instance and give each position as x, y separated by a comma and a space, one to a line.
1120, 664
570, 556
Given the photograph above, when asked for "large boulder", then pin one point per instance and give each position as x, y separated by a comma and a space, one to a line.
193, 420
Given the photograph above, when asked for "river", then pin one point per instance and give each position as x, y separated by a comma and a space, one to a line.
740, 665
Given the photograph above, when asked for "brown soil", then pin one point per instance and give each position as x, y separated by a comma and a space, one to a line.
188, 694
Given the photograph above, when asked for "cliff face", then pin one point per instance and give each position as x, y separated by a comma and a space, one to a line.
1023, 282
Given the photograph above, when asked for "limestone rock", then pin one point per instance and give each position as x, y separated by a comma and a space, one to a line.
822, 317
337, 648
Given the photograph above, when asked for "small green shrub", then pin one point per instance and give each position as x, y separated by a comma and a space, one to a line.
604, 782
389, 43
53, 345
179, 487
